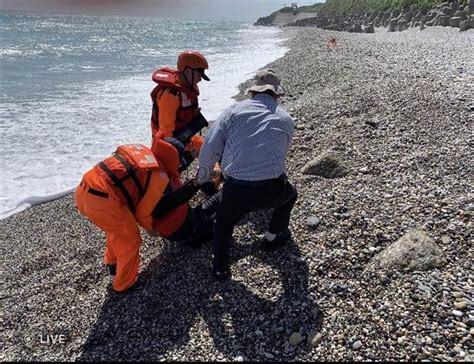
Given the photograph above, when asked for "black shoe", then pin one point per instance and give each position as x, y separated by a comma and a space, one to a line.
221, 268
222, 275
112, 269
280, 240
138, 286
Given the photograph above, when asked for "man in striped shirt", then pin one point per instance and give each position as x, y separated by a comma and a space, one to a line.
251, 140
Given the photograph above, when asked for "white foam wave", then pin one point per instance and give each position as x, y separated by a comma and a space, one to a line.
15, 52
34, 200
259, 47
49, 145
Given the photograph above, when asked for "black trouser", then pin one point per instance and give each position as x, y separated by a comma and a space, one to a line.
240, 198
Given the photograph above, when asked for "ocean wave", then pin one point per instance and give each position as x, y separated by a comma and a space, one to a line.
18, 52
95, 99
29, 201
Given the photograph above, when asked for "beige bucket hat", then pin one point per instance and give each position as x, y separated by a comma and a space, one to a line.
267, 80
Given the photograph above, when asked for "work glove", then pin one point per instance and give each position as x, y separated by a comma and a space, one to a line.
209, 188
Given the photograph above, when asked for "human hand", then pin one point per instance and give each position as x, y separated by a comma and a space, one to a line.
209, 188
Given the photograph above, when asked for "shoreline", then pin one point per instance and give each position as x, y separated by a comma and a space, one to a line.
286, 36
410, 170
22, 188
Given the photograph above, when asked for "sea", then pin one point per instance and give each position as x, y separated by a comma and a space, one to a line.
73, 88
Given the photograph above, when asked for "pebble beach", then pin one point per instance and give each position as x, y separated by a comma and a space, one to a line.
394, 112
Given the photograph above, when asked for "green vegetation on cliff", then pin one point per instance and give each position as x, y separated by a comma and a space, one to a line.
358, 6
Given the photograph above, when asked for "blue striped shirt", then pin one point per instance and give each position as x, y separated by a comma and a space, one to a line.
252, 137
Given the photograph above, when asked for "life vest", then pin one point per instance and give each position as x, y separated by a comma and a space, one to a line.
173, 220
129, 170
167, 78
167, 154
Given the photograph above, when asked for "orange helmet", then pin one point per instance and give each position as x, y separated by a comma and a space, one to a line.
194, 60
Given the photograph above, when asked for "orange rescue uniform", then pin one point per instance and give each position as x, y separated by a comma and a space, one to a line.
174, 105
168, 104
105, 205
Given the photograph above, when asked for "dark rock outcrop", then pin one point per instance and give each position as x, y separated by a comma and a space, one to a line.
466, 25
265, 20
455, 21
369, 29
445, 14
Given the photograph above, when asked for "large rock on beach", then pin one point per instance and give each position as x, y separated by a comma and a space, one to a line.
442, 20
447, 10
461, 13
327, 165
369, 29
392, 25
413, 251
357, 28
402, 25
454, 21
466, 25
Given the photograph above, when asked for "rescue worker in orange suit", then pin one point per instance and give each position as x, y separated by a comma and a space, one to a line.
127, 188
175, 98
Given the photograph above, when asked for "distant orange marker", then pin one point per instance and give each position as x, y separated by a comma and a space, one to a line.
331, 43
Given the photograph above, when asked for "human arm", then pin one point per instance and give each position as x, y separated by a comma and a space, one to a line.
213, 148
157, 185
174, 199
168, 104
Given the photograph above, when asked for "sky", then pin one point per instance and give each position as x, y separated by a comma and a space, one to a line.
239, 10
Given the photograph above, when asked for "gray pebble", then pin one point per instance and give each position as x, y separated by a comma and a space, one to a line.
357, 345
312, 222
269, 356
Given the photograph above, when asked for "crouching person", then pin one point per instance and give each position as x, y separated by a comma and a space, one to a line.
174, 220
122, 192
252, 139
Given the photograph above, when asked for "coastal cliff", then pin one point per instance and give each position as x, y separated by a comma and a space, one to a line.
448, 14
284, 17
